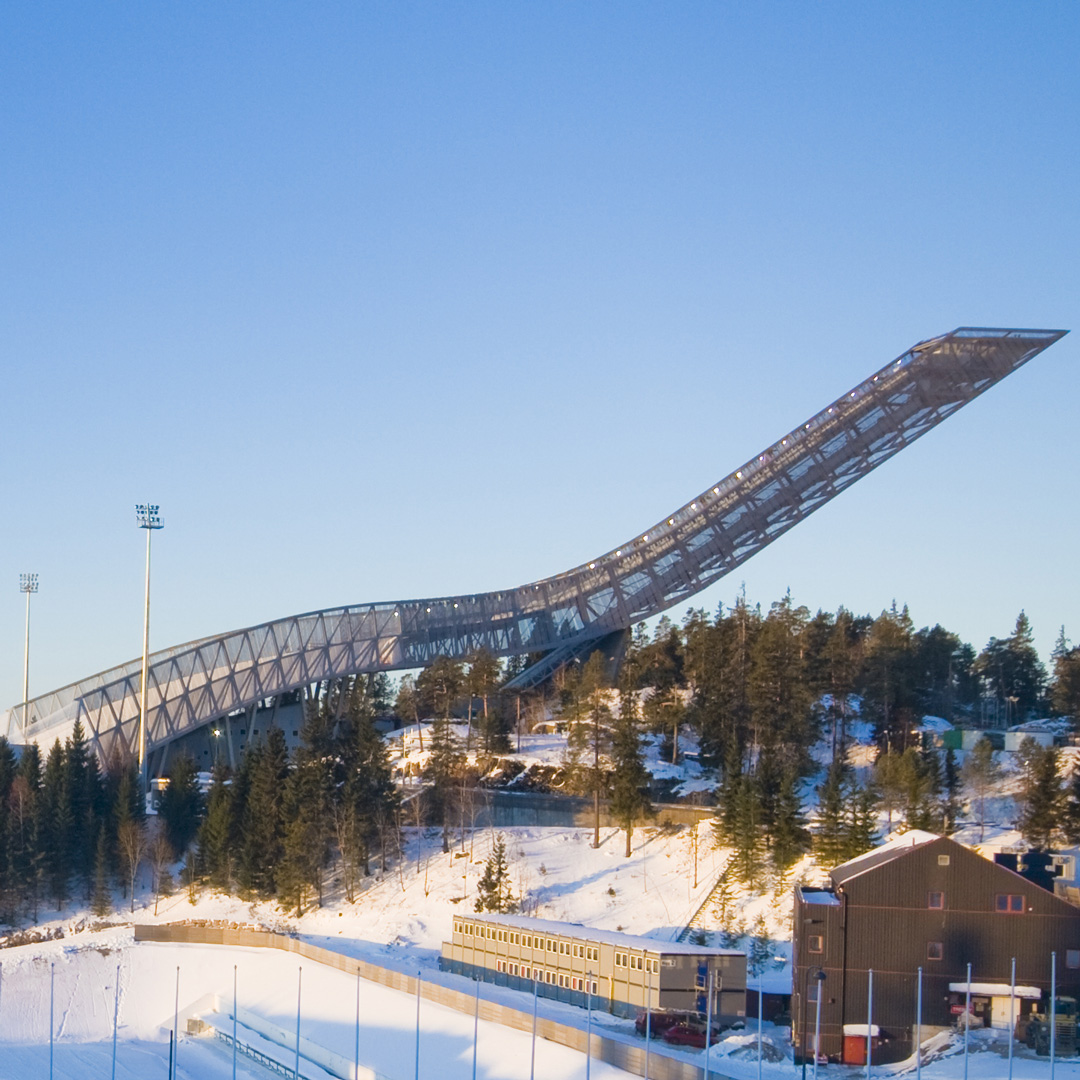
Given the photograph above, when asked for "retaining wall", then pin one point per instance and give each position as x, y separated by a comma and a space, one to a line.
625, 1055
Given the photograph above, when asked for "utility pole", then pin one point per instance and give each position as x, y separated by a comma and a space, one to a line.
147, 517
28, 583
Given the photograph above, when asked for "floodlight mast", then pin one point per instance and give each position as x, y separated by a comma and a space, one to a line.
28, 583
147, 517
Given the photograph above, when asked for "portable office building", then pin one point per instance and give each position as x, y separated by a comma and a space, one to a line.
624, 974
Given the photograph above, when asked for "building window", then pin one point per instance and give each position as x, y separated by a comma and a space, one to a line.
620, 959
564, 980
1009, 903
579, 951
934, 950
653, 966
935, 901
500, 965
637, 963
552, 945
513, 969
815, 943
551, 976
457, 926
515, 939
526, 941
592, 987
1072, 958
538, 975
592, 953
468, 929
943, 860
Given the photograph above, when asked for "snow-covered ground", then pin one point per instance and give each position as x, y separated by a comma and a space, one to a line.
268, 985
399, 921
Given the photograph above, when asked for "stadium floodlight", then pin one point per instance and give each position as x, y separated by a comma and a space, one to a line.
28, 583
148, 517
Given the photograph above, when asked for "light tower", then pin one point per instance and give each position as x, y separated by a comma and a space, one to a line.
28, 583
147, 517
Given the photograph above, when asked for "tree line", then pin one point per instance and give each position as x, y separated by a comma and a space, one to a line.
273, 829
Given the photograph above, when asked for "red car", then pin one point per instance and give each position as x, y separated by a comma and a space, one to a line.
688, 1035
659, 1022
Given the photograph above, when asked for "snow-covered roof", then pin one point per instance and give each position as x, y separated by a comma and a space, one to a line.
891, 849
820, 896
996, 990
934, 725
1051, 725
607, 937
862, 1029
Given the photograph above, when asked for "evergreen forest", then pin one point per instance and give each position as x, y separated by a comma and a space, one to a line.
769, 701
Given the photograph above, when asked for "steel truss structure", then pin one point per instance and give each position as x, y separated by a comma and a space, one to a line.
197, 683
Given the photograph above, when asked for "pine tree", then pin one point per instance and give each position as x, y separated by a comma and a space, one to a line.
180, 809
981, 776
777, 689
1041, 796
368, 798
1070, 817
55, 835
728, 795
1012, 670
493, 889
887, 678
861, 831
790, 837
587, 709
83, 784
8, 890
951, 791
630, 779
263, 825
101, 901
760, 947
481, 682
830, 839
26, 830
920, 789
1065, 691
748, 862
442, 770
217, 831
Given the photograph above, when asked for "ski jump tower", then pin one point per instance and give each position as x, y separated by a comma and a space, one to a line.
197, 684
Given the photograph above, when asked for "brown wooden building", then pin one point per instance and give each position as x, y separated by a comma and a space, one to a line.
922, 901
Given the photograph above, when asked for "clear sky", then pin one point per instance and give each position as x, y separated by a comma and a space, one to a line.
393, 300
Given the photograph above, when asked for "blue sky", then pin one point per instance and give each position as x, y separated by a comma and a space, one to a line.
393, 300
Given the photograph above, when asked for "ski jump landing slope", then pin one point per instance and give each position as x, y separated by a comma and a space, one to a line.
197, 683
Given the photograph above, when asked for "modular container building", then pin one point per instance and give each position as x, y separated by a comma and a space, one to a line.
622, 973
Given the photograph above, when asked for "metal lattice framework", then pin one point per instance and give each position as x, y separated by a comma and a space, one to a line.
194, 684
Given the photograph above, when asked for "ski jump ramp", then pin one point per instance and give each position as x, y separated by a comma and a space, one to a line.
194, 685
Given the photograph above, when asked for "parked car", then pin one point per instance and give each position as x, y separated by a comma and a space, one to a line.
660, 1021
689, 1034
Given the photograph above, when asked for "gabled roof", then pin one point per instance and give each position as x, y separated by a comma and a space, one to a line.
887, 852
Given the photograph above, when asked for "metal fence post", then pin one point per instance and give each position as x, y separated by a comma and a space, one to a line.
1012, 1014
115, 1017
869, 1022
967, 1020
918, 1029
1053, 1011
532, 1056
299, 988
